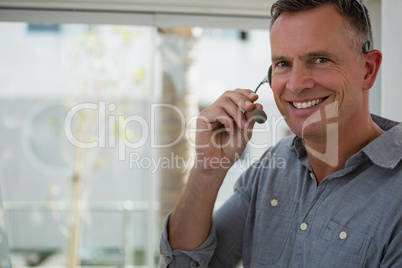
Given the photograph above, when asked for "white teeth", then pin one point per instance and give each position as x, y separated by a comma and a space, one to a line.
304, 105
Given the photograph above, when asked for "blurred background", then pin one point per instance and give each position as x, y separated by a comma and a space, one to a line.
98, 102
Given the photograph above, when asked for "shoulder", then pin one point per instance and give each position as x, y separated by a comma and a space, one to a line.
285, 147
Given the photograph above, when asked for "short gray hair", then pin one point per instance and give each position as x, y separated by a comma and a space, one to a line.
349, 9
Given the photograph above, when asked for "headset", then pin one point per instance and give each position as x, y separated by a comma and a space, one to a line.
366, 46
260, 116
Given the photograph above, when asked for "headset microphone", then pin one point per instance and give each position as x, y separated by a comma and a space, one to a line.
258, 114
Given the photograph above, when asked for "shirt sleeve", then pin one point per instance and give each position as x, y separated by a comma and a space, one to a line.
199, 257
222, 247
224, 244
393, 255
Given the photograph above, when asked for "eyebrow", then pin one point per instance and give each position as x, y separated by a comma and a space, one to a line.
320, 53
279, 58
312, 54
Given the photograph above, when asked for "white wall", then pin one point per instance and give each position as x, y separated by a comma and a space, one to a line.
374, 9
392, 58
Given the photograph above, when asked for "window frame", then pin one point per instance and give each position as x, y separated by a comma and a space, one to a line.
236, 14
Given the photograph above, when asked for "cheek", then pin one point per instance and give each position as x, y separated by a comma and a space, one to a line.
280, 104
343, 87
331, 78
277, 92
277, 87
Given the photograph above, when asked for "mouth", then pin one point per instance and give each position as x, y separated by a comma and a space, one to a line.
307, 104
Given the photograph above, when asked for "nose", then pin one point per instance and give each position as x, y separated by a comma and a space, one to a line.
300, 79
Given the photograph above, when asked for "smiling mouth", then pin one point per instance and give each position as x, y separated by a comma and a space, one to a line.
307, 104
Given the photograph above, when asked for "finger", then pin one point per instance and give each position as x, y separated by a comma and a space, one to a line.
247, 93
242, 97
215, 118
249, 115
259, 106
249, 96
235, 103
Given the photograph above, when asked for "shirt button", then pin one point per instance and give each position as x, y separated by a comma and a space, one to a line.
343, 235
274, 202
312, 175
303, 226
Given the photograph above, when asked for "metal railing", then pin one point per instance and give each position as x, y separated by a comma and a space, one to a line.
127, 208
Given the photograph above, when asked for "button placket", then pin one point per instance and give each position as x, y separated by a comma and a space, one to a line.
300, 236
320, 193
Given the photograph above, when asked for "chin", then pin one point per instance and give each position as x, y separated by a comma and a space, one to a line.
312, 130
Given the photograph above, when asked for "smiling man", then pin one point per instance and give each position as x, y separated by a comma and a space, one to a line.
318, 64
336, 202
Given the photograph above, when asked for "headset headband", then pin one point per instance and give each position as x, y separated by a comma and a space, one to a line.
367, 45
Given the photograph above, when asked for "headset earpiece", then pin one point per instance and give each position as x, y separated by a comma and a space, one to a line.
367, 47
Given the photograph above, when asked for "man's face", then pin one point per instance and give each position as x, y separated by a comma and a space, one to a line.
315, 65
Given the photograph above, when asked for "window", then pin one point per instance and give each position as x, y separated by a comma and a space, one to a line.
95, 111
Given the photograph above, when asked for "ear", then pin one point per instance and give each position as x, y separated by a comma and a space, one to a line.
373, 60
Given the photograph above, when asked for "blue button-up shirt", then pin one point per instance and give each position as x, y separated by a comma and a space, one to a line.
279, 216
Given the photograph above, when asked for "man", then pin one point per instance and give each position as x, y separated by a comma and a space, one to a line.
338, 202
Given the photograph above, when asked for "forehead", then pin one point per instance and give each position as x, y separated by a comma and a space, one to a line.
318, 29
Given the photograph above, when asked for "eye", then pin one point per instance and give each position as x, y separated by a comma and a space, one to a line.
282, 64
321, 60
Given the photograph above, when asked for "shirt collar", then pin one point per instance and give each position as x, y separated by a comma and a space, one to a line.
385, 151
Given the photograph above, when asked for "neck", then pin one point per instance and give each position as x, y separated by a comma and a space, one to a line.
329, 154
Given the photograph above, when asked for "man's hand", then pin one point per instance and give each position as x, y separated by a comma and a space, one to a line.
223, 130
